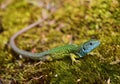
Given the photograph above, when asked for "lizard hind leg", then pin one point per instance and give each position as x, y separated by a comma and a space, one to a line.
47, 58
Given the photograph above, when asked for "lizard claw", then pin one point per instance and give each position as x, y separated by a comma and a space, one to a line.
74, 62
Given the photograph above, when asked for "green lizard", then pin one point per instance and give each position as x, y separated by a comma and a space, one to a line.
71, 50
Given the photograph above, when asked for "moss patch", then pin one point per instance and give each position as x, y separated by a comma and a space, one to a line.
78, 19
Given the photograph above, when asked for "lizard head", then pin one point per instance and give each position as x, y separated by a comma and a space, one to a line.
88, 47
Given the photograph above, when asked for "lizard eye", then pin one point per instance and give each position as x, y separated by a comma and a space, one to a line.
84, 48
90, 43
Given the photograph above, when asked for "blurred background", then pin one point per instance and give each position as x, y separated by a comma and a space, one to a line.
69, 21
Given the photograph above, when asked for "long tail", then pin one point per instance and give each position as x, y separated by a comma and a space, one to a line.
22, 52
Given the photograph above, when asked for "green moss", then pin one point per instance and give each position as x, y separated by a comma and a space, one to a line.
80, 19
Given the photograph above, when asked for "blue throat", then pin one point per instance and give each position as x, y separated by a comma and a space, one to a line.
81, 53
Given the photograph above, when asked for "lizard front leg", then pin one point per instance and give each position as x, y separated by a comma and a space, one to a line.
73, 56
